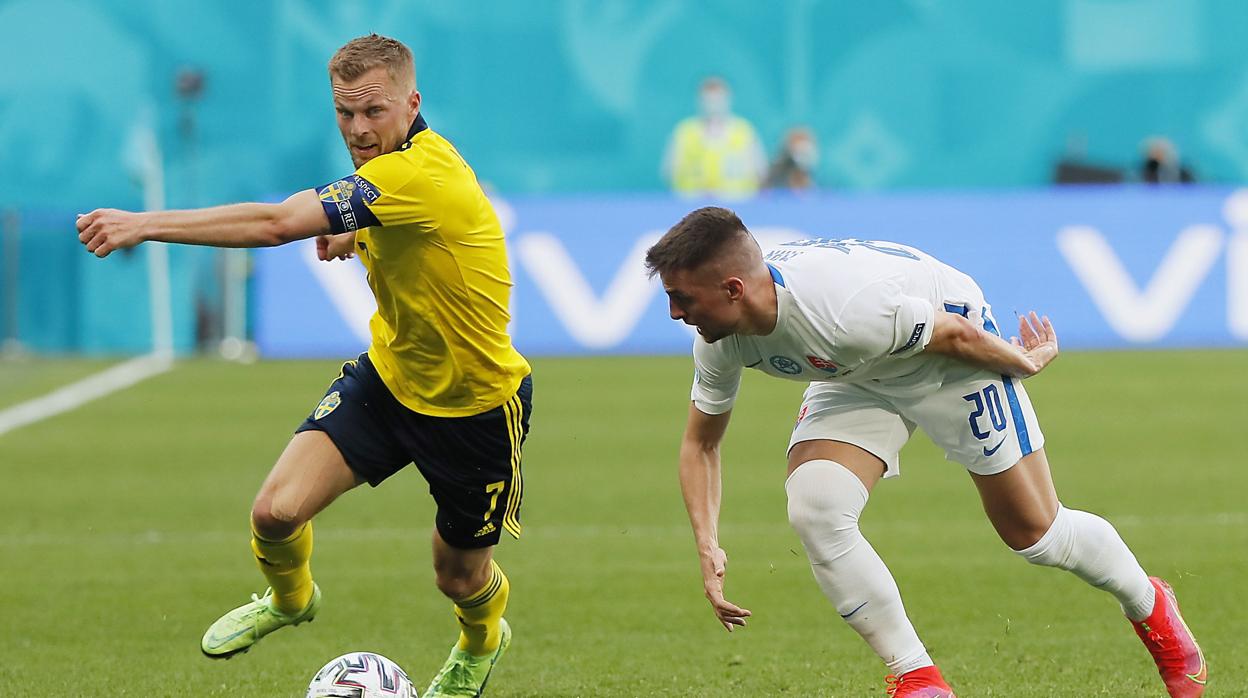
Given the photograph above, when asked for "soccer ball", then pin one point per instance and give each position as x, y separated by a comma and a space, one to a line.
361, 675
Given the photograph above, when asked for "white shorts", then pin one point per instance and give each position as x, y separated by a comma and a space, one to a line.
982, 420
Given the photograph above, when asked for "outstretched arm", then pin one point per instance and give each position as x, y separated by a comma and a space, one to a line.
955, 336
700, 484
238, 225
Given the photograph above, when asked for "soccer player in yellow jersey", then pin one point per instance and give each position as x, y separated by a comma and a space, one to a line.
440, 384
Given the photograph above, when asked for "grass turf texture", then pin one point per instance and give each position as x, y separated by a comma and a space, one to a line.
27, 377
124, 534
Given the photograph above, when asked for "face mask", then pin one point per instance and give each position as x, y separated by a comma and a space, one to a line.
804, 155
715, 103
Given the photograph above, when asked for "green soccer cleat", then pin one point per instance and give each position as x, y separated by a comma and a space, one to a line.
243, 627
463, 675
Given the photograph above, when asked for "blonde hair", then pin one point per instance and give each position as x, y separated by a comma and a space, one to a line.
365, 53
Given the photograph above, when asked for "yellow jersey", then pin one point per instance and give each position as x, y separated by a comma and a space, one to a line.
437, 265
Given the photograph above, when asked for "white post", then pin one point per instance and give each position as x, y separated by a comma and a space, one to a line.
160, 295
10, 242
234, 344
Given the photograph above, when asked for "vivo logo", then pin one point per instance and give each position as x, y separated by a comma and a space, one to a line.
572, 307
1148, 314
594, 322
602, 322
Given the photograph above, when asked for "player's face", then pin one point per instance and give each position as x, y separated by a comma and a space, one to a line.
374, 113
701, 298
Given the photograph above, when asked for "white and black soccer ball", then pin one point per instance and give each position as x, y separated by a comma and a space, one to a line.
361, 675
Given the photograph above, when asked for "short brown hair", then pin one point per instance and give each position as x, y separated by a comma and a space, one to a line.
700, 237
373, 51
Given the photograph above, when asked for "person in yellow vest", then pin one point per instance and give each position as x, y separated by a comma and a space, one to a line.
715, 153
440, 386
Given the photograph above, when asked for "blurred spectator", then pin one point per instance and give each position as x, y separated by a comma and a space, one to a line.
715, 152
1075, 168
1068, 171
1161, 164
794, 166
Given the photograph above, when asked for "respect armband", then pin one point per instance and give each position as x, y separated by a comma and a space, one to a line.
346, 203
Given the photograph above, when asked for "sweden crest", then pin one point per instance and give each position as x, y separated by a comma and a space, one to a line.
335, 192
328, 404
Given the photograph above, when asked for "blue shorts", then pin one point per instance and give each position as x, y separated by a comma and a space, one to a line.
472, 464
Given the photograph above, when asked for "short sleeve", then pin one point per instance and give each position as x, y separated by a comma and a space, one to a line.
387, 190
912, 325
716, 375
882, 321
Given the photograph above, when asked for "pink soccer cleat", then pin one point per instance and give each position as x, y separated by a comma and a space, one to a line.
920, 683
1165, 634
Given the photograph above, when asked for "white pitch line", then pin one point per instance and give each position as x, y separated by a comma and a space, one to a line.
77, 394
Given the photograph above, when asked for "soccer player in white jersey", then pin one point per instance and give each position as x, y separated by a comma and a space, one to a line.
889, 339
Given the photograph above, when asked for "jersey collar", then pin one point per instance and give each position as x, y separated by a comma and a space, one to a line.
783, 299
775, 275
417, 126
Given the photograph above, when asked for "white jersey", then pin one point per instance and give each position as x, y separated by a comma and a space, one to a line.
849, 311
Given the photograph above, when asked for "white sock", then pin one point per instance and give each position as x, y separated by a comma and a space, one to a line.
825, 501
1088, 546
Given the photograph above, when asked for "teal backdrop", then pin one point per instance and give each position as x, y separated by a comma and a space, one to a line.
565, 96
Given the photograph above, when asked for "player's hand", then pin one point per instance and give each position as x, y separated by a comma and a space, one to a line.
330, 247
1038, 340
107, 229
729, 614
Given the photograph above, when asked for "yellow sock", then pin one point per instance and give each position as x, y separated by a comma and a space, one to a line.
285, 564
479, 615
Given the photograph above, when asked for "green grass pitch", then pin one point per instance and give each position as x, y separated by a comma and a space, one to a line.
123, 534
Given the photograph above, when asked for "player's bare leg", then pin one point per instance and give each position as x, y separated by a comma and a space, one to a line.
1021, 501
308, 476
828, 486
1023, 507
479, 590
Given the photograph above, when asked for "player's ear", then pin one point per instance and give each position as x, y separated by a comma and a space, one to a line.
735, 288
413, 101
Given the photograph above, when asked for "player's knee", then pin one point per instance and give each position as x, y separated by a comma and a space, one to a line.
272, 521
1050, 547
1027, 535
454, 587
458, 583
825, 501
